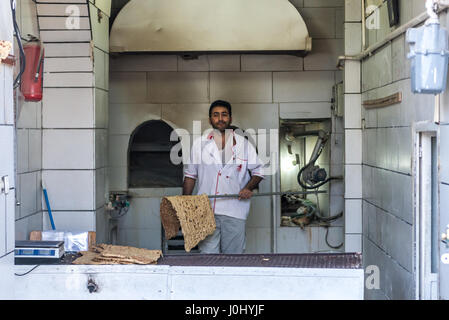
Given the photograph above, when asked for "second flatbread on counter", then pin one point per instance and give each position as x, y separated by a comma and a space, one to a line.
193, 214
114, 254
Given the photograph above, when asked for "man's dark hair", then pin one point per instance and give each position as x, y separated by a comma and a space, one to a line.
220, 103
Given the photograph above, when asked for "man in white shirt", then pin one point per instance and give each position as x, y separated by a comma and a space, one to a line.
221, 163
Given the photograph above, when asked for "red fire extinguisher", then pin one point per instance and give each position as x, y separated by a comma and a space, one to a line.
31, 84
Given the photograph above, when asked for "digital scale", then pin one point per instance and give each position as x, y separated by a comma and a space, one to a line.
27, 251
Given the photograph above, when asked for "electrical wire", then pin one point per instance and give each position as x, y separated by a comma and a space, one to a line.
18, 79
327, 242
24, 274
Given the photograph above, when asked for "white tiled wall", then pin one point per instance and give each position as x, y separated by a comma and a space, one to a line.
75, 103
28, 214
387, 176
353, 128
7, 201
261, 89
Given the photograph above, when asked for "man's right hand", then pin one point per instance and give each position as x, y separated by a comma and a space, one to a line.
188, 185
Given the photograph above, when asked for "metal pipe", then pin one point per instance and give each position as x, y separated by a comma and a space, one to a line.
363, 25
443, 5
274, 203
264, 194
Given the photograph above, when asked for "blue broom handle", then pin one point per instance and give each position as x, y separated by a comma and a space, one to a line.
49, 210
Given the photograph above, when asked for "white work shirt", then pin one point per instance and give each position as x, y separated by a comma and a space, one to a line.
213, 178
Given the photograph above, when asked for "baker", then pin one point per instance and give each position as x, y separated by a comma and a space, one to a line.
224, 162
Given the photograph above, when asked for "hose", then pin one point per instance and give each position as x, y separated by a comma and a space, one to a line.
314, 186
327, 242
18, 79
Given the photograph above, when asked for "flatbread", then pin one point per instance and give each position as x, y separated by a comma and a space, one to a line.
131, 254
112, 254
192, 213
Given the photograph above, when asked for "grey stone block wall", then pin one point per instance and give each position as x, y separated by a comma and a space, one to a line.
388, 147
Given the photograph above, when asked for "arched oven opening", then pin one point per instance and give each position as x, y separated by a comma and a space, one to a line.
149, 162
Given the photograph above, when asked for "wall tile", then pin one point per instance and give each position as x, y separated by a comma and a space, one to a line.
22, 151
35, 150
24, 226
353, 182
353, 38
444, 153
353, 110
182, 115
9, 117
70, 221
68, 108
201, 63
27, 117
100, 29
118, 146
51, 23
260, 215
400, 63
320, 21
127, 87
65, 36
68, 149
339, 21
53, 9
73, 196
143, 63
307, 86
224, 62
28, 190
305, 110
353, 11
99, 68
186, 87
27, 18
144, 213
395, 281
324, 54
77, 49
101, 108
383, 58
117, 178
103, 5
101, 148
353, 243
244, 116
100, 188
295, 240
352, 77
256, 62
131, 115
251, 87
353, 146
323, 3
353, 216
59, 80
384, 27
7, 159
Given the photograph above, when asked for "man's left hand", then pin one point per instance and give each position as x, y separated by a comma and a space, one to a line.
245, 194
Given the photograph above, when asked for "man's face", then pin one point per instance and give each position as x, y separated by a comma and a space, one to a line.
220, 118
